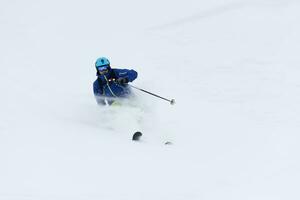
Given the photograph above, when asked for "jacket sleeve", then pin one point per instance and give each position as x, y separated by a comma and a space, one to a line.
98, 93
96, 88
131, 75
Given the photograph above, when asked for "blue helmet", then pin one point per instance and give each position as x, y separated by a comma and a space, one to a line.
102, 62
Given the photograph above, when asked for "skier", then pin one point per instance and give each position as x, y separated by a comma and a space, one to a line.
111, 83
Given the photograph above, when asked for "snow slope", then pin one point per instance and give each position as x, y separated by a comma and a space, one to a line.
232, 66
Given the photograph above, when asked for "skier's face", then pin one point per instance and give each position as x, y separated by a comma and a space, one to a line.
103, 69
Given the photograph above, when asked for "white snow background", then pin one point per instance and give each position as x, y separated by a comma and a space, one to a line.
232, 66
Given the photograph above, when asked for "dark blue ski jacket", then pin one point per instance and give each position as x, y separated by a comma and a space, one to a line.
106, 85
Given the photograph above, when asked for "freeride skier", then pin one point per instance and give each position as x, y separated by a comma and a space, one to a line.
111, 83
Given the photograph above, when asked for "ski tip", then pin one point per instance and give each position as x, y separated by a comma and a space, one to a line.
168, 143
136, 136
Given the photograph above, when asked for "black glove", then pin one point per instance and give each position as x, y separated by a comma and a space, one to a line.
122, 81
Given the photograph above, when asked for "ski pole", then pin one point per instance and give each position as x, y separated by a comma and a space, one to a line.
172, 101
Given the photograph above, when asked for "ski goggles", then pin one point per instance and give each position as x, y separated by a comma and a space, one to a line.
103, 69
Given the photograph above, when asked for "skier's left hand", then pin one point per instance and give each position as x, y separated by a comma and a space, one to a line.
122, 81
